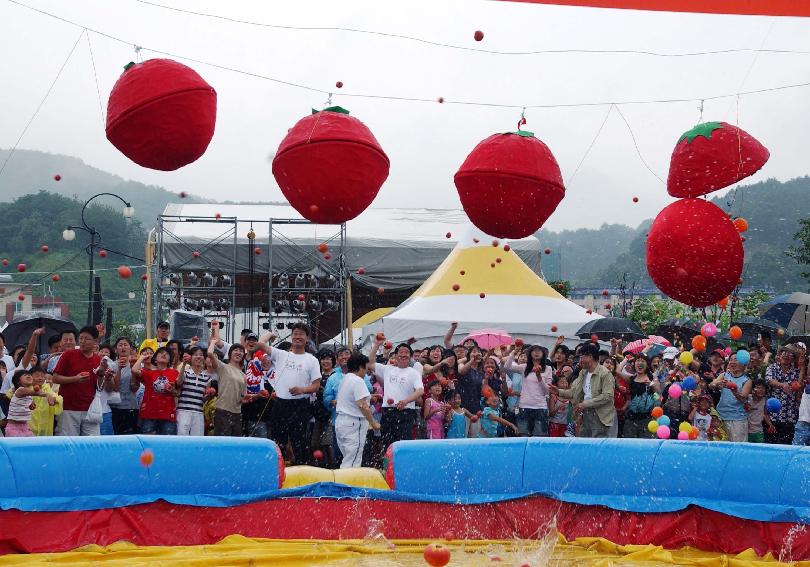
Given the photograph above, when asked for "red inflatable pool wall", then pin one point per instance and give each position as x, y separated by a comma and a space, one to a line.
161, 523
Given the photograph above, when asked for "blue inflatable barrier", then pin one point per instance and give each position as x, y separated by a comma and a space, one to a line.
746, 480
87, 473
492, 467
752, 481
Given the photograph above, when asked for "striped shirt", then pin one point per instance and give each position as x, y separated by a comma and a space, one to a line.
193, 391
20, 409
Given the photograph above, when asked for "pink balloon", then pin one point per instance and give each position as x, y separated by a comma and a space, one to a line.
662, 432
728, 351
683, 436
708, 330
675, 391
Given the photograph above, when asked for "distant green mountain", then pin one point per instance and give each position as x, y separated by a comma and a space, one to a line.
586, 257
580, 255
31, 171
772, 209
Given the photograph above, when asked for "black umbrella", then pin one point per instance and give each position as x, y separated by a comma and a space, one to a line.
612, 328
797, 339
586, 329
678, 331
19, 330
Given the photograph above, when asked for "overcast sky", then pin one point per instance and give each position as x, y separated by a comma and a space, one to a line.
426, 142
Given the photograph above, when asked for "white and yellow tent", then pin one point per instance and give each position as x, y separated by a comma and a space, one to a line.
514, 299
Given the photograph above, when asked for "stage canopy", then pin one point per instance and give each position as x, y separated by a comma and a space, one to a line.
515, 299
398, 248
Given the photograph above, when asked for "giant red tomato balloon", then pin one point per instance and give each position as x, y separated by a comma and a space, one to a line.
711, 156
510, 184
161, 114
694, 252
330, 166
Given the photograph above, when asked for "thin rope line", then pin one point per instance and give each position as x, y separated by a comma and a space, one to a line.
473, 49
73, 271
635, 143
756, 55
590, 147
417, 99
95, 77
41, 102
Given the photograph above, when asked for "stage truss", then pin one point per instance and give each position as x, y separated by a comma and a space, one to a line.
251, 282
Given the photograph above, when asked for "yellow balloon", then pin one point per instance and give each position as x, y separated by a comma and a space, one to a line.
685, 427
652, 427
686, 358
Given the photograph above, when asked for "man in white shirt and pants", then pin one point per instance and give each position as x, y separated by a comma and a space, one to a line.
402, 386
353, 412
298, 376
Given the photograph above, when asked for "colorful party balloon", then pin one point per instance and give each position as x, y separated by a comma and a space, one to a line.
708, 330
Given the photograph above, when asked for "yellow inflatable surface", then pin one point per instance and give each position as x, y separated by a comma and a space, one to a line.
379, 552
359, 477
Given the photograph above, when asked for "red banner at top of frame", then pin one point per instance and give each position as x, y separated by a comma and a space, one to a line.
799, 8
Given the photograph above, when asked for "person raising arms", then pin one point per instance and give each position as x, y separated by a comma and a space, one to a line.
231, 388
298, 376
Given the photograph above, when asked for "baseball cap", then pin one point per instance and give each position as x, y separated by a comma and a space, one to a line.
163, 324
670, 353
719, 352
252, 336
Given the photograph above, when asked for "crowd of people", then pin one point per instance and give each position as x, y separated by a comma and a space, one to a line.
338, 407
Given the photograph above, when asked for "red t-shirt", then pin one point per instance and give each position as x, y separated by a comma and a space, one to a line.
77, 396
157, 402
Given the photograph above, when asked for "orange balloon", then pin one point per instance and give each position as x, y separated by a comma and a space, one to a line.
699, 342
723, 303
741, 224
735, 333
657, 412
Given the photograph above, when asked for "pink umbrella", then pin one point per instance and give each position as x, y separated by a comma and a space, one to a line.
489, 338
637, 346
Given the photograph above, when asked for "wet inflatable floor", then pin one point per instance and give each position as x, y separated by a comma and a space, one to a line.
378, 552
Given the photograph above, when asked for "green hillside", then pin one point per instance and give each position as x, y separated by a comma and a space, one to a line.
39, 220
580, 255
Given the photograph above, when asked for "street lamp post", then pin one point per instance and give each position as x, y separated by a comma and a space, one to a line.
95, 239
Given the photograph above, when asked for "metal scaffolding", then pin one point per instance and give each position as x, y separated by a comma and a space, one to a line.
245, 283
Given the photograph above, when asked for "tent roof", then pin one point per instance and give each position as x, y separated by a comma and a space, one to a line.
397, 248
383, 227
515, 298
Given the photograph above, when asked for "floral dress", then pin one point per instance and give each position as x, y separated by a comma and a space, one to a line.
789, 412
